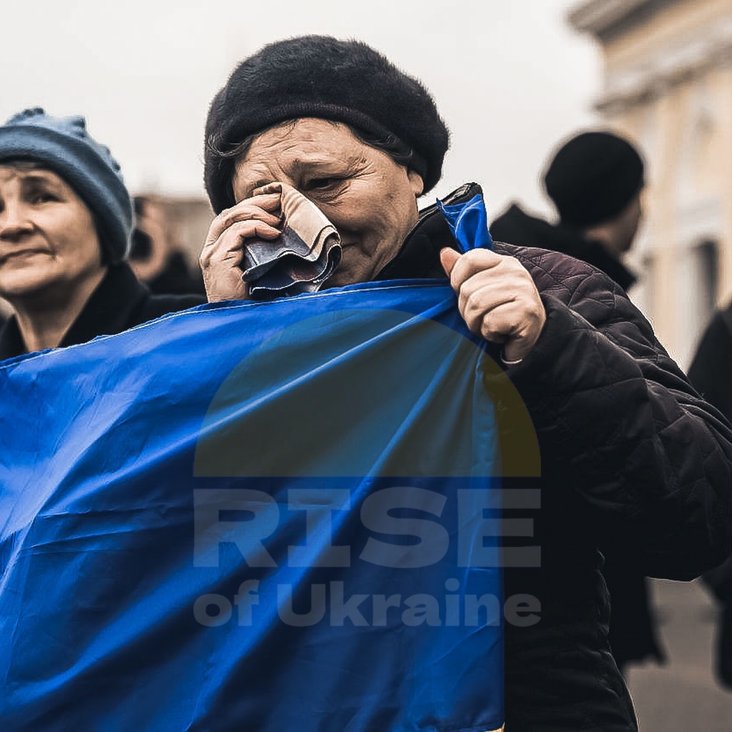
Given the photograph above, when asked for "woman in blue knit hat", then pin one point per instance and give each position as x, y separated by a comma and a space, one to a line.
65, 225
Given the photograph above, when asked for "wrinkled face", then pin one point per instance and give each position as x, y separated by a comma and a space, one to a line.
369, 198
48, 241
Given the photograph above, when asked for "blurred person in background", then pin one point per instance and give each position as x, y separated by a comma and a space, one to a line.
155, 258
711, 369
711, 374
595, 180
65, 225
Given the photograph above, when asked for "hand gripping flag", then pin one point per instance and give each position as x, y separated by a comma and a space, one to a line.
256, 516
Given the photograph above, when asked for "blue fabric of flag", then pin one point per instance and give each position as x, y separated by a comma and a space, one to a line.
254, 516
468, 222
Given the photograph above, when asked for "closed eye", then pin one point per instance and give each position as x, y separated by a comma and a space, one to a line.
321, 184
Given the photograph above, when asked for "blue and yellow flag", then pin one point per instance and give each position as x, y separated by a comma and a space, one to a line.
254, 516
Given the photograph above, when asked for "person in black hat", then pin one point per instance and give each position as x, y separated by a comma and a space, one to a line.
614, 416
65, 225
155, 257
595, 181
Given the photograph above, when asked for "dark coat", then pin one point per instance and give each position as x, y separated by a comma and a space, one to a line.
515, 226
711, 369
711, 374
118, 303
633, 636
631, 456
177, 279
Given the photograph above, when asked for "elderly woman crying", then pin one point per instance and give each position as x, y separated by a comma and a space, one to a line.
631, 455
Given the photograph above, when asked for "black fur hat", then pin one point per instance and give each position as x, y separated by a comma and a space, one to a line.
593, 177
320, 76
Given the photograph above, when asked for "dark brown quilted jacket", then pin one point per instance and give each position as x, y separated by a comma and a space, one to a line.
631, 457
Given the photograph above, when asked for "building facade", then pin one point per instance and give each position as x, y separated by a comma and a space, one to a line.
668, 87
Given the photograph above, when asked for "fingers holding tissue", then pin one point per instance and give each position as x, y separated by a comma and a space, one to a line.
223, 250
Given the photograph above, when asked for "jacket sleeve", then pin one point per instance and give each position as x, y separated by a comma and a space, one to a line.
619, 422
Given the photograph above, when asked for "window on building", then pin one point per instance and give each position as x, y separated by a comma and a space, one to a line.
707, 255
699, 299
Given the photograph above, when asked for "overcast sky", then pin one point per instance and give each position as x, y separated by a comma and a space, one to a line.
510, 78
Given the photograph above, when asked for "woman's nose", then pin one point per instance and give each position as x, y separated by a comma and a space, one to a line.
14, 221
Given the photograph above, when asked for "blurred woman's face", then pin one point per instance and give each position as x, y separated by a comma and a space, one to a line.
48, 241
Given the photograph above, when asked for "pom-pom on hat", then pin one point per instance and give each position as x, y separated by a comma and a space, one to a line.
593, 177
321, 76
65, 147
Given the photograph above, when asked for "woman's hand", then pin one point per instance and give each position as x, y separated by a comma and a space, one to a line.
223, 252
497, 299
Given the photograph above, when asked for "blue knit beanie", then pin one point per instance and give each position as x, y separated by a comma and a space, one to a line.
64, 145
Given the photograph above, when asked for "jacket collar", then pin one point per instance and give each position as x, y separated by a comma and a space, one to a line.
518, 227
108, 311
419, 255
